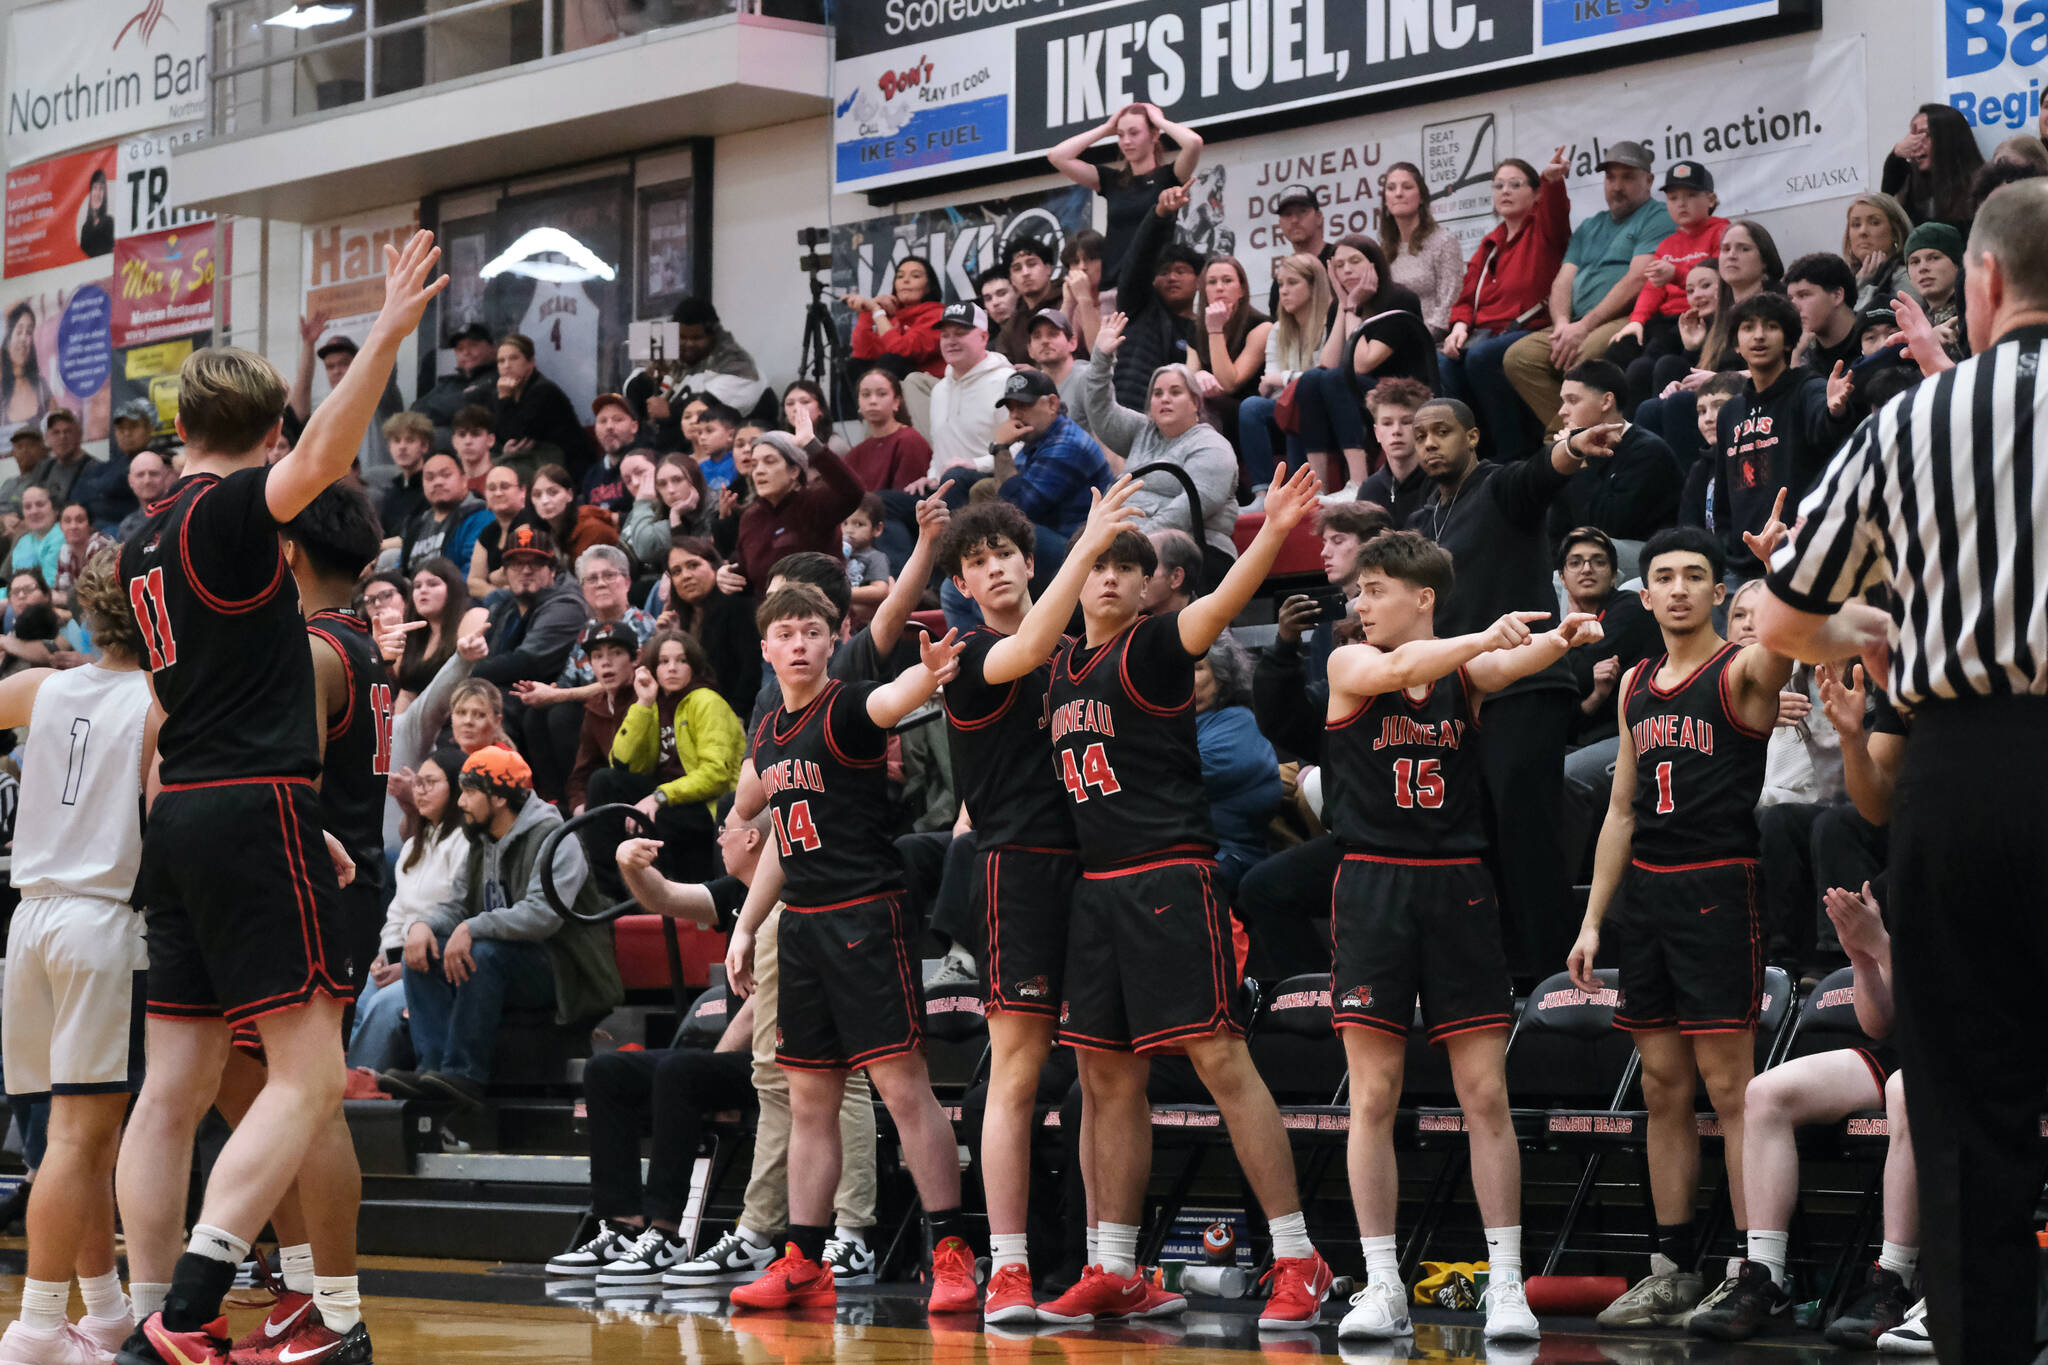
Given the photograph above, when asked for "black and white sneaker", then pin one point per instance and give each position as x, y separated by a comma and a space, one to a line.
1911, 1337
851, 1261
613, 1241
650, 1257
732, 1260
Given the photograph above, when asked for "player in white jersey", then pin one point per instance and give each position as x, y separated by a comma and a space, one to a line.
70, 1022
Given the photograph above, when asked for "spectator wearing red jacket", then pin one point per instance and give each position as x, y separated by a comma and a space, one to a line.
899, 331
1505, 297
1652, 330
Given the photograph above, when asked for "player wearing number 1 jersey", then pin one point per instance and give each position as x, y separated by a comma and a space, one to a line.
239, 878
1150, 959
1024, 869
844, 945
1677, 867
1413, 910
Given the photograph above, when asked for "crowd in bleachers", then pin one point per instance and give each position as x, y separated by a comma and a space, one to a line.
580, 586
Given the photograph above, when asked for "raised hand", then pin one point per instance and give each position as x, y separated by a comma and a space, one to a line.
933, 514
1764, 543
312, 328
1598, 443
1839, 388
1298, 616
409, 283
1842, 699
391, 636
1581, 628
473, 647
1108, 513
1290, 498
1110, 335
1172, 200
1858, 921
1917, 336
801, 430
941, 655
645, 689
1512, 630
1557, 166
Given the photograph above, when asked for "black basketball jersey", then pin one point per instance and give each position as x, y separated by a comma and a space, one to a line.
997, 736
1699, 771
222, 635
1403, 776
826, 774
1123, 741
359, 741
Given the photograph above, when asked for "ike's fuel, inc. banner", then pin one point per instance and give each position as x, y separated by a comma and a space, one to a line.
928, 87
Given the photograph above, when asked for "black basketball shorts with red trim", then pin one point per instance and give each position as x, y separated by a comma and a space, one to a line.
1408, 927
1024, 897
848, 995
241, 901
1150, 959
1688, 947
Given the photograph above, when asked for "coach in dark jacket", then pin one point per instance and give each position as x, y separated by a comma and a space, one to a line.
534, 626
1157, 296
1492, 517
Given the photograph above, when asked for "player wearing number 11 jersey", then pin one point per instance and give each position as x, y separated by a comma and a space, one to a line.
1677, 867
1413, 909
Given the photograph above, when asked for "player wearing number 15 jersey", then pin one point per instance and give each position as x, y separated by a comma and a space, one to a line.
1150, 958
238, 876
1677, 867
1413, 910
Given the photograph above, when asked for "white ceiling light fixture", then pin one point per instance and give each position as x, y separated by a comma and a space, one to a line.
518, 259
311, 16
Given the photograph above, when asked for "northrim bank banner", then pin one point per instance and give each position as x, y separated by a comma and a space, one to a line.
929, 87
88, 71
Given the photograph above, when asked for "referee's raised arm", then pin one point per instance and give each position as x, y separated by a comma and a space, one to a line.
1939, 505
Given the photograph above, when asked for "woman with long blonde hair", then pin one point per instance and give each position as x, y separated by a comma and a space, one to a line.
1293, 343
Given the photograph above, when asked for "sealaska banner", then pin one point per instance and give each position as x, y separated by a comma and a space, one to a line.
932, 87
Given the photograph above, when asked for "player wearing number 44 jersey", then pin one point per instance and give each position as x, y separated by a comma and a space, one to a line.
844, 942
240, 879
1025, 867
1413, 910
1150, 958
1677, 866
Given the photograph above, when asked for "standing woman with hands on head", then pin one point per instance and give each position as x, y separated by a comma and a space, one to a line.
1131, 184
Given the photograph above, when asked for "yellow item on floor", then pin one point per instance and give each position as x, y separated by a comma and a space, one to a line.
1436, 1276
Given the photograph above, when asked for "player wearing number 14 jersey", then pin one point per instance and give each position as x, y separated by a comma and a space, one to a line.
1677, 867
1413, 911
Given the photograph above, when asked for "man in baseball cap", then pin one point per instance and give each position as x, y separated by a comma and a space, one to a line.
963, 414
618, 431
1300, 211
475, 372
533, 628
1628, 155
1057, 463
502, 944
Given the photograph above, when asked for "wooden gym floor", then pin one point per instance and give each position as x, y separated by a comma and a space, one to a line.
469, 1313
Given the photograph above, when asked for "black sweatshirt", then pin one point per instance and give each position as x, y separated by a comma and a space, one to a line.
1496, 530
1780, 438
1630, 496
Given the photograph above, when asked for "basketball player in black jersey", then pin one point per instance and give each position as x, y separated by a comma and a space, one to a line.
328, 545
1677, 865
844, 943
1025, 866
1151, 960
259, 943
1413, 909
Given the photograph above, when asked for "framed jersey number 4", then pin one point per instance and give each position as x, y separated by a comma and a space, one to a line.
796, 830
1094, 771
146, 595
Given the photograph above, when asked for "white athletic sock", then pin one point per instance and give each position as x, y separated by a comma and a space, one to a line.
295, 1263
147, 1297
1007, 1248
1094, 1245
339, 1302
1290, 1237
1119, 1245
752, 1238
1769, 1249
1903, 1262
846, 1234
1382, 1260
103, 1296
43, 1303
216, 1245
1504, 1255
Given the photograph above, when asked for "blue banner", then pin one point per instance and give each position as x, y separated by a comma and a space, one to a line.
1570, 21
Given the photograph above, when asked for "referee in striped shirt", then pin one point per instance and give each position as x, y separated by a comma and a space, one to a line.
1941, 500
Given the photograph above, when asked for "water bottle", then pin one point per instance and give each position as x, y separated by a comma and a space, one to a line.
1216, 1281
